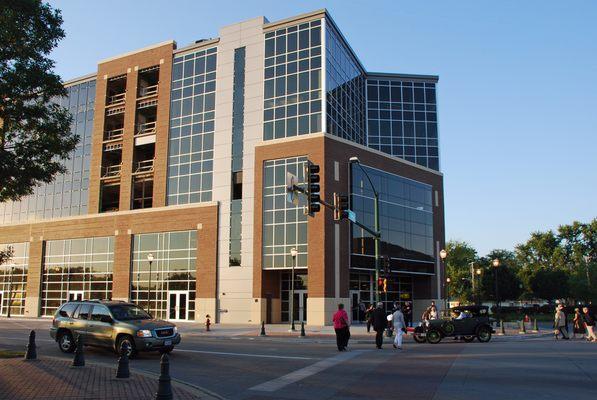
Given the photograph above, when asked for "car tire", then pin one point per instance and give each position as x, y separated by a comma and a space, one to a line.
448, 328
484, 334
468, 339
131, 342
434, 337
66, 342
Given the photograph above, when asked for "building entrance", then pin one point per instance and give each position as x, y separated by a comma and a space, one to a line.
178, 305
75, 295
2, 302
300, 306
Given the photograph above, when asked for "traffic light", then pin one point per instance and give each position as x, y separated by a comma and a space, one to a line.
340, 206
385, 263
312, 189
380, 284
385, 285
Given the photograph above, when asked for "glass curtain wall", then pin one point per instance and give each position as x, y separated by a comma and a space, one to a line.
68, 194
292, 88
13, 279
402, 120
284, 223
406, 221
192, 115
345, 90
173, 272
76, 269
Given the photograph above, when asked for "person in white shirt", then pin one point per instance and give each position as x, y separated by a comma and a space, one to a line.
399, 327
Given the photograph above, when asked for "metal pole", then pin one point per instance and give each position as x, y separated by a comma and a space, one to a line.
149, 290
495, 277
292, 295
9, 292
377, 237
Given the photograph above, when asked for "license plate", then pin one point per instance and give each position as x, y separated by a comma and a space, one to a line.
167, 342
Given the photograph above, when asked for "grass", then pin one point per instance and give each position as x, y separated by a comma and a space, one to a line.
11, 353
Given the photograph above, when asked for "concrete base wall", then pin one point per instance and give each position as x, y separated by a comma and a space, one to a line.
321, 310
203, 307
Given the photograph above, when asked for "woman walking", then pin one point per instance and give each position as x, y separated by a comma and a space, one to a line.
340, 320
579, 325
399, 327
559, 323
589, 321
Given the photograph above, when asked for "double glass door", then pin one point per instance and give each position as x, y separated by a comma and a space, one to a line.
75, 295
300, 306
2, 303
178, 305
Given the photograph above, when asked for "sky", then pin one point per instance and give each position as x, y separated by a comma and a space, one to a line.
517, 95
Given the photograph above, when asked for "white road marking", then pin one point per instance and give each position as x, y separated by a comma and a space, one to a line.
298, 375
223, 353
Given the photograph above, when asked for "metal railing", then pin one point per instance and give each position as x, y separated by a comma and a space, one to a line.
144, 166
145, 129
114, 134
148, 91
112, 171
116, 99
114, 111
147, 103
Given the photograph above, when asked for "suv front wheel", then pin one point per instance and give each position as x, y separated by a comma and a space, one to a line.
126, 340
66, 342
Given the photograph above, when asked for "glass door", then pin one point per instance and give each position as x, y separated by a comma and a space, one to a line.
300, 306
2, 302
178, 305
354, 305
75, 295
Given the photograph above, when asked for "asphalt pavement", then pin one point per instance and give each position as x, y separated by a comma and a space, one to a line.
243, 366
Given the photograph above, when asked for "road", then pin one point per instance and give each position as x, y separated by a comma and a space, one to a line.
290, 368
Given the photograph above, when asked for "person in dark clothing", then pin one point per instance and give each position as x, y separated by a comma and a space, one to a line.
380, 322
589, 321
408, 314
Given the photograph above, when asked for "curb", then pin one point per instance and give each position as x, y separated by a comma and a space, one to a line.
194, 389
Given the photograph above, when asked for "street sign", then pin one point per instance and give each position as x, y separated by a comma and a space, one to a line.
351, 215
291, 193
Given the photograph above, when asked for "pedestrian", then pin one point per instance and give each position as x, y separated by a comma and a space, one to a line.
560, 323
589, 320
432, 311
369, 317
579, 324
341, 324
408, 314
379, 324
399, 328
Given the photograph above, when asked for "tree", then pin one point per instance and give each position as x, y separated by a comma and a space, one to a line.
509, 284
460, 255
549, 284
35, 135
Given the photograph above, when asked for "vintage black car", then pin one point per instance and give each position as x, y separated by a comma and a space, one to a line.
475, 323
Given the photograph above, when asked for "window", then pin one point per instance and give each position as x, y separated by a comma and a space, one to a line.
68, 310
13, 279
83, 311
99, 312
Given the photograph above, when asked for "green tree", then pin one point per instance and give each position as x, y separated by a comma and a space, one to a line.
35, 135
509, 284
550, 284
460, 255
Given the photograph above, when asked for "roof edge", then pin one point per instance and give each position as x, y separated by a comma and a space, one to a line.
128, 53
434, 78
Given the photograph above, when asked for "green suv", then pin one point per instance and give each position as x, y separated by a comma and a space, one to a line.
111, 324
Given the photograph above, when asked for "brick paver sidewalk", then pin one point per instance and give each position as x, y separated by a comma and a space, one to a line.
50, 378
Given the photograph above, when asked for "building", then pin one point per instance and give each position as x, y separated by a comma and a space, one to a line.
182, 161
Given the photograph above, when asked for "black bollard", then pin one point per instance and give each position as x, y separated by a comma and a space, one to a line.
535, 326
79, 359
123, 362
31, 353
523, 329
502, 328
164, 386
302, 328
262, 329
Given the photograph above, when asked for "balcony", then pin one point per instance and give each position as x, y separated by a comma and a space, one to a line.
112, 171
114, 134
148, 91
144, 167
116, 100
147, 103
148, 128
114, 111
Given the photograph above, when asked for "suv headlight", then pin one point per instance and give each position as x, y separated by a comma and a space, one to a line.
175, 330
144, 333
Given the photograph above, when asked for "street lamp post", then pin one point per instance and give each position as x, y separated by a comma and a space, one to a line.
496, 264
293, 253
10, 290
150, 259
447, 290
478, 271
442, 255
356, 161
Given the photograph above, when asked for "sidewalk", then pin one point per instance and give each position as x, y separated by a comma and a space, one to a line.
52, 378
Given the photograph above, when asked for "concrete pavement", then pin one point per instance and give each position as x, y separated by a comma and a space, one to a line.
245, 366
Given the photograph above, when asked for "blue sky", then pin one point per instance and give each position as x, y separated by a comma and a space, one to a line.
517, 91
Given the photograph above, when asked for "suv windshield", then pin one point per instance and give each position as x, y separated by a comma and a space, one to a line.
128, 312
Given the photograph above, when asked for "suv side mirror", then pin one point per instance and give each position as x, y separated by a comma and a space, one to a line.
107, 319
